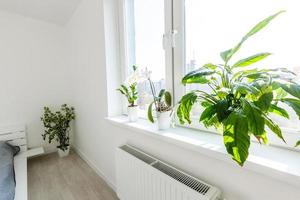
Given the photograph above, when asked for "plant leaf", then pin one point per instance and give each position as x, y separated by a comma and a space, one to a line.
293, 103
168, 98
161, 93
254, 117
185, 106
297, 144
197, 76
279, 111
210, 66
292, 89
262, 24
236, 137
251, 60
149, 114
264, 101
226, 55
273, 127
208, 113
222, 108
244, 88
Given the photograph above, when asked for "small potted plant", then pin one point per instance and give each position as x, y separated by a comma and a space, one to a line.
57, 127
131, 93
163, 107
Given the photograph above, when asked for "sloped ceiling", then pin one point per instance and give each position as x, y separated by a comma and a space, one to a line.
55, 11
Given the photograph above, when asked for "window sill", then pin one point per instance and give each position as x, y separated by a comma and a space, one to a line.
281, 164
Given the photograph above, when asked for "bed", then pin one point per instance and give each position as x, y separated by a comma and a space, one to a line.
16, 136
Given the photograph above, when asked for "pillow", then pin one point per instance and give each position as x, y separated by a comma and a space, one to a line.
15, 149
7, 176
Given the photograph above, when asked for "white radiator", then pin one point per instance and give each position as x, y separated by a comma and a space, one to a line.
143, 177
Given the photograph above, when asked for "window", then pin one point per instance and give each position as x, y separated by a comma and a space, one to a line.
201, 30
145, 26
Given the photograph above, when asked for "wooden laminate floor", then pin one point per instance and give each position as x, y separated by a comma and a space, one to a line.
70, 178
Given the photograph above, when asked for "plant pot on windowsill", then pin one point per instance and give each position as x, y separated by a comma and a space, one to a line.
132, 112
163, 108
164, 120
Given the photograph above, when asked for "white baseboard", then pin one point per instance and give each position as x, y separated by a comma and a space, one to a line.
94, 167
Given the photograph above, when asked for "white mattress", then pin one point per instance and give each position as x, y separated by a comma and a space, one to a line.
20, 164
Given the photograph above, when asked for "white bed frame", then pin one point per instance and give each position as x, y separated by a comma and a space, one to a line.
16, 135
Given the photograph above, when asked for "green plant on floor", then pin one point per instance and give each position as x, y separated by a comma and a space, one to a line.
241, 99
57, 125
130, 91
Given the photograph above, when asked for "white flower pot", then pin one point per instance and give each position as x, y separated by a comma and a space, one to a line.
62, 153
132, 113
164, 120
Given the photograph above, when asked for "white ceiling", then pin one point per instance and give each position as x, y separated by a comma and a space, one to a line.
55, 11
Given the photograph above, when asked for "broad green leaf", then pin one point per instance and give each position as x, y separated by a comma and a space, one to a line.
185, 106
210, 66
297, 144
262, 24
292, 89
205, 104
212, 122
255, 119
279, 111
208, 113
161, 93
250, 60
280, 93
244, 88
168, 98
236, 137
264, 101
149, 114
226, 55
273, 127
243, 73
293, 103
223, 111
197, 76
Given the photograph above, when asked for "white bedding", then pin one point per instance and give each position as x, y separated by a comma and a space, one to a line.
20, 164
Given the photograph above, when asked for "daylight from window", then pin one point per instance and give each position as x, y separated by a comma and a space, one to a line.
147, 47
211, 29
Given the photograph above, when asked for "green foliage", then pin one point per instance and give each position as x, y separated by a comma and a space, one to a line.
241, 98
57, 125
130, 93
162, 103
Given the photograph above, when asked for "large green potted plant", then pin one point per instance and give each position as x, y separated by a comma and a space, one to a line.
57, 127
241, 98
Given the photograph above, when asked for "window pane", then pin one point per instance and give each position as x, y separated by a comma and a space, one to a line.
145, 31
217, 25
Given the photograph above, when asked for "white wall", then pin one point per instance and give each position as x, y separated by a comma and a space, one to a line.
33, 71
97, 140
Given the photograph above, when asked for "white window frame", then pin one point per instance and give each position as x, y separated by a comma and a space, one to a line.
173, 42
166, 42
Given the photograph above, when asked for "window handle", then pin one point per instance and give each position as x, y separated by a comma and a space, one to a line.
169, 39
